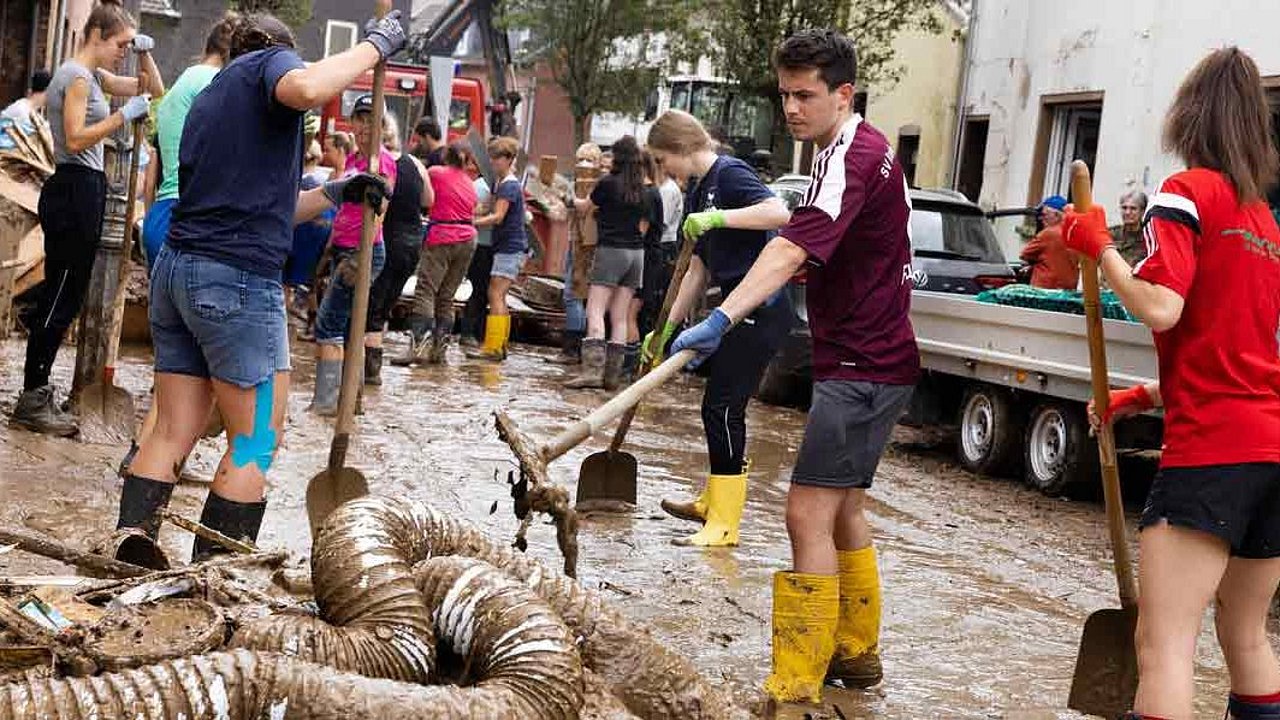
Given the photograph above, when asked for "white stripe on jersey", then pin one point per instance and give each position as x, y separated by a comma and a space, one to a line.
1174, 202
827, 189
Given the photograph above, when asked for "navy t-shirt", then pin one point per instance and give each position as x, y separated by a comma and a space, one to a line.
238, 167
508, 235
728, 253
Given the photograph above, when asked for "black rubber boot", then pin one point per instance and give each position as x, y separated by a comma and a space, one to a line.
373, 366
570, 349
1238, 709
36, 411
123, 470
141, 501
239, 521
630, 362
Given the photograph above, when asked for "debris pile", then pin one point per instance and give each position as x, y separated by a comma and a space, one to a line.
413, 614
26, 161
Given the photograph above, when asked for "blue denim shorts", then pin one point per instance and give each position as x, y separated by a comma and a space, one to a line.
507, 265
334, 318
212, 320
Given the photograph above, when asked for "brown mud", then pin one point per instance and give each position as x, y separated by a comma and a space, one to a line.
987, 584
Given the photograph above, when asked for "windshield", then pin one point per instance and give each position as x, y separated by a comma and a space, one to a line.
941, 229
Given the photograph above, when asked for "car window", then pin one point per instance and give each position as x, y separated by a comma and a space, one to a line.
790, 195
970, 235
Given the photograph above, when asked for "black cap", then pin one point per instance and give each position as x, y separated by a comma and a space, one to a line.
364, 104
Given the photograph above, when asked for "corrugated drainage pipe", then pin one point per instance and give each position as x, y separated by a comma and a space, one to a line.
523, 656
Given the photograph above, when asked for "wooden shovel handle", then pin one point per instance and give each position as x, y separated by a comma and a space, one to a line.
620, 403
126, 252
1082, 195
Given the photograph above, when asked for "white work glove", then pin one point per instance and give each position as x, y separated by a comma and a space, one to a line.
143, 43
137, 108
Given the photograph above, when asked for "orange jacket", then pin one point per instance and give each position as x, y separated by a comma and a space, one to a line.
1052, 265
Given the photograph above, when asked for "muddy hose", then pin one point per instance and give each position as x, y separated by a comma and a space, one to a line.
373, 619
243, 685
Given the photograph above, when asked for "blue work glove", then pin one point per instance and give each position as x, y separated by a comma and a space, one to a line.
362, 187
703, 338
137, 108
142, 43
386, 34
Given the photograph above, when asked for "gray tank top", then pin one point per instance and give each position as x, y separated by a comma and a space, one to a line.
97, 110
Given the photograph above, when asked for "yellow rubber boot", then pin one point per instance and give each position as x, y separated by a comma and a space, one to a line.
725, 495
856, 663
805, 614
497, 329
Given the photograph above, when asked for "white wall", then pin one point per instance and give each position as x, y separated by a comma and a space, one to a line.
1135, 51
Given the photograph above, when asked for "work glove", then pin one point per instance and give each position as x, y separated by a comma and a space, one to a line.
697, 224
386, 34
348, 269
1086, 232
654, 347
703, 338
142, 43
136, 108
1122, 404
362, 187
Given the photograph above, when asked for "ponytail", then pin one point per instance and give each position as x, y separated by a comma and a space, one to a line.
219, 40
108, 17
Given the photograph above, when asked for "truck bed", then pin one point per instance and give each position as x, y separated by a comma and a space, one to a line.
1023, 348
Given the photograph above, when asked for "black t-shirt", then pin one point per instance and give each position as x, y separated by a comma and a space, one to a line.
728, 253
617, 221
657, 223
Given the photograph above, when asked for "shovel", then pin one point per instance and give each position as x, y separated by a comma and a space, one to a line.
337, 484
609, 477
1106, 675
105, 404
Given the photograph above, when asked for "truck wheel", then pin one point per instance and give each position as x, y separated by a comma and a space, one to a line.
1058, 453
990, 431
779, 388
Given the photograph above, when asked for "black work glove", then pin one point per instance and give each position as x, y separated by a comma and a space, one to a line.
363, 187
386, 34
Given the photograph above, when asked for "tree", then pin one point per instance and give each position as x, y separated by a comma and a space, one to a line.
602, 53
293, 13
742, 35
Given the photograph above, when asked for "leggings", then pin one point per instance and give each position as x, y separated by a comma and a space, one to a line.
72, 205
403, 250
733, 373
473, 315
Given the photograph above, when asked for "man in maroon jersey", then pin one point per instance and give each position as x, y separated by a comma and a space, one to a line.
852, 234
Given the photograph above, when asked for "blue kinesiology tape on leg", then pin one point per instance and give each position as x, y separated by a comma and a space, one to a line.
260, 447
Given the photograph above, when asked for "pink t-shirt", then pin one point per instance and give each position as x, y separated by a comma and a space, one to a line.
454, 208
346, 225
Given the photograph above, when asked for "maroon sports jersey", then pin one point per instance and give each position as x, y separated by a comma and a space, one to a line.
855, 224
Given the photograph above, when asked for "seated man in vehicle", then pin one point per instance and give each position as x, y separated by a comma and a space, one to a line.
1052, 266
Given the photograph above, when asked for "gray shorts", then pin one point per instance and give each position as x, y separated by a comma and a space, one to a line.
618, 267
849, 426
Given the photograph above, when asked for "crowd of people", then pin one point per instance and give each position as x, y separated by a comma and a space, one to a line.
249, 211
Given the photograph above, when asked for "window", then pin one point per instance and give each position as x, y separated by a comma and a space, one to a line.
1074, 137
339, 37
973, 157
953, 232
909, 153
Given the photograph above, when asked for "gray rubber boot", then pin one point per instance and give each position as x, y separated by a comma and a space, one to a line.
593, 359
328, 380
36, 411
373, 366
615, 356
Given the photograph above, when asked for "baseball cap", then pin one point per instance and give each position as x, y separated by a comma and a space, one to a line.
364, 104
1057, 202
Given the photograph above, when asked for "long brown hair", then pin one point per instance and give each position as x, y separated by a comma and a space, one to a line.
259, 31
219, 40
1220, 120
108, 17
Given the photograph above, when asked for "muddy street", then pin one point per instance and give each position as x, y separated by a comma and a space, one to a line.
987, 584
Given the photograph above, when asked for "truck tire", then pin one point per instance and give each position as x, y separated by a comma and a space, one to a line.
1057, 451
989, 441
781, 388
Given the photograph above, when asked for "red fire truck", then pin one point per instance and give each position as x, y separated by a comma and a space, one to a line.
406, 90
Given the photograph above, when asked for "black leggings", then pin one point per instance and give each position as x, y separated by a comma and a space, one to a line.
72, 204
733, 373
403, 249
478, 305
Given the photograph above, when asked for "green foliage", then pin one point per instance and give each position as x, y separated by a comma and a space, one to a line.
293, 13
602, 53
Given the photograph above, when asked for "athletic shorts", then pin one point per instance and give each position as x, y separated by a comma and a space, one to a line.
1238, 503
213, 320
155, 228
849, 425
618, 267
508, 265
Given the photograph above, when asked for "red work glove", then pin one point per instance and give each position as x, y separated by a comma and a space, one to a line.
1086, 232
1122, 404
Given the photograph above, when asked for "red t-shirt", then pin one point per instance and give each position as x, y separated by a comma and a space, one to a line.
1220, 365
454, 208
855, 224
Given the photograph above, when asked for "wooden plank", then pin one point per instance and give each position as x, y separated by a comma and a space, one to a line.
44, 134
24, 195
15, 226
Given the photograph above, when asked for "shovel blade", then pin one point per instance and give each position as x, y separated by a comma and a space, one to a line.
330, 489
107, 413
1106, 676
607, 481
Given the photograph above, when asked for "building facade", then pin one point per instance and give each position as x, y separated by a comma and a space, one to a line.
1045, 87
